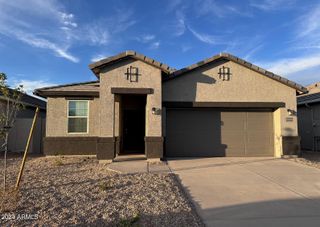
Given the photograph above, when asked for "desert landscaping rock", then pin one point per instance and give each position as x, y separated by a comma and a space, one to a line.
309, 158
64, 191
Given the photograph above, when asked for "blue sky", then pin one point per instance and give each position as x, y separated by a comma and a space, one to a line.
51, 42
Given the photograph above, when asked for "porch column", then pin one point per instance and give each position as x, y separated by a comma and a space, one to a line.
154, 139
106, 141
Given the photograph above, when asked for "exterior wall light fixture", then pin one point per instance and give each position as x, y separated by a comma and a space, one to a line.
156, 111
291, 112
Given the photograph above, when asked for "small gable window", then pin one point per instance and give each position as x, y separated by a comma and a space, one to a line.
78, 112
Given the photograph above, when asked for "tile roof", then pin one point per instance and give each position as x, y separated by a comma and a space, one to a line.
92, 87
96, 66
242, 62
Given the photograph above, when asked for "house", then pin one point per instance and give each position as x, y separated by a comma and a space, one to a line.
19, 133
309, 118
220, 106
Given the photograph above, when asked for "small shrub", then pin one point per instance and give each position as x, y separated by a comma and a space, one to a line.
9, 200
58, 162
104, 186
130, 222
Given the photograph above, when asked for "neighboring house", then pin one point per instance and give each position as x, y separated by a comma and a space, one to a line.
19, 133
309, 118
221, 106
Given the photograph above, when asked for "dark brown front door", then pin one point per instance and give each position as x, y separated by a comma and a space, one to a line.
133, 131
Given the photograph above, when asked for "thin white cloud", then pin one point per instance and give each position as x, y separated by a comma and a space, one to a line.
253, 51
155, 45
146, 38
218, 9
30, 85
96, 34
105, 30
173, 4
289, 66
45, 44
233, 10
210, 7
186, 48
180, 26
309, 23
177, 25
149, 39
48, 25
273, 5
40, 24
67, 19
303, 63
205, 38
98, 57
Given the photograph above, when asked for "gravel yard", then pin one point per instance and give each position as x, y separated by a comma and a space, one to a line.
309, 158
62, 191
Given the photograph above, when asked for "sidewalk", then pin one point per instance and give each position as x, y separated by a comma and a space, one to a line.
138, 166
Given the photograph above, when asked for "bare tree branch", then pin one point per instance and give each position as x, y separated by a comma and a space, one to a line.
8, 115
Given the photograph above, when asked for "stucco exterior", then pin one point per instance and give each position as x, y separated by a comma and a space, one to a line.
114, 77
57, 120
159, 84
245, 85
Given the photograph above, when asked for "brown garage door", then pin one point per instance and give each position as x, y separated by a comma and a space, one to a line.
211, 132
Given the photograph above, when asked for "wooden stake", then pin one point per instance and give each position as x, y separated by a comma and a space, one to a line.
26, 149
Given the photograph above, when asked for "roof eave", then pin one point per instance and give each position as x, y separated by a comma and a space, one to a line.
42, 92
46, 94
96, 66
242, 62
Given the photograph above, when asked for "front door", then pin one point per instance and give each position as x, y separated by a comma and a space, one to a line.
133, 131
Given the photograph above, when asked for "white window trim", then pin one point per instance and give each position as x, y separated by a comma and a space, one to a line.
88, 114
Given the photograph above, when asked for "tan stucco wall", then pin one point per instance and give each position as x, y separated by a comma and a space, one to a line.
246, 85
114, 77
57, 121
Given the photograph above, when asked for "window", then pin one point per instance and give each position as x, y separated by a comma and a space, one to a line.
78, 116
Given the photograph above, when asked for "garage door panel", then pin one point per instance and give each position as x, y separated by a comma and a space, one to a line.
259, 121
192, 133
200, 121
233, 126
210, 132
260, 145
188, 148
233, 120
259, 134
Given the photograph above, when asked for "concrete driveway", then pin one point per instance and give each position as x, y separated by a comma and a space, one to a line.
251, 191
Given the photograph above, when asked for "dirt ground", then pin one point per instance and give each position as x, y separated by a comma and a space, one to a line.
64, 191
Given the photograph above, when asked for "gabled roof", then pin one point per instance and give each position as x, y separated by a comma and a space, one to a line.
96, 66
89, 88
313, 88
242, 62
29, 100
